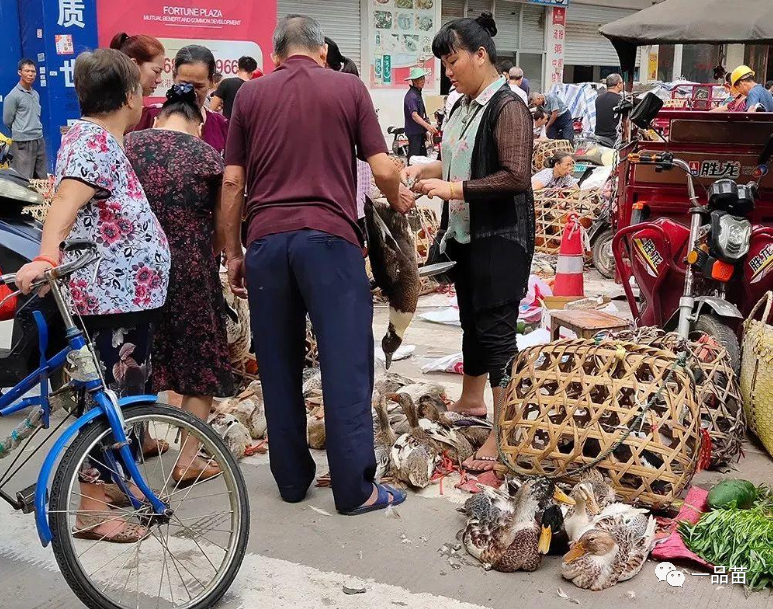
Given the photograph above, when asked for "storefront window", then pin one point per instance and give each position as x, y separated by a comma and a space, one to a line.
665, 62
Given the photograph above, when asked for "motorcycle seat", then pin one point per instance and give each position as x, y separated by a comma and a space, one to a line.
396, 130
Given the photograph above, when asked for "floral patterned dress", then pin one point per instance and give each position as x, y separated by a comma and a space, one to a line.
133, 272
182, 175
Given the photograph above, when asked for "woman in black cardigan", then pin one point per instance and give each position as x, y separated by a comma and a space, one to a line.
488, 214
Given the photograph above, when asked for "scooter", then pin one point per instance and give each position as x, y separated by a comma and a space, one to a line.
595, 161
20, 236
399, 142
721, 262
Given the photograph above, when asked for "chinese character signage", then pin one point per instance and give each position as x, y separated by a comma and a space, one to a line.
556, 44
54, 32
400, 34
550, 2
229, 28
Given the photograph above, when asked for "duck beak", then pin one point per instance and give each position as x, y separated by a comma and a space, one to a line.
562, 497
578, 550
593, 504
544, 540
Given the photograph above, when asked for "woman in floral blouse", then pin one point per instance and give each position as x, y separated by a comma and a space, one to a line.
100, 199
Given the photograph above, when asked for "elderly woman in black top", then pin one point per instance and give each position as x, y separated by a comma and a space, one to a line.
488, 214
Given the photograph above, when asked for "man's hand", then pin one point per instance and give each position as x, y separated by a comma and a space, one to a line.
235, 267
432, 129
406, 201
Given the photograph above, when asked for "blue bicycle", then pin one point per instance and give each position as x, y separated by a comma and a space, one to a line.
133, 537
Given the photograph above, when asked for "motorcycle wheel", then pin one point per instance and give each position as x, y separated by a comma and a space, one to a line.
603, 259
725, 336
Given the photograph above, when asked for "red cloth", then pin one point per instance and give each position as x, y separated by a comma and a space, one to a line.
295, 131
668, 543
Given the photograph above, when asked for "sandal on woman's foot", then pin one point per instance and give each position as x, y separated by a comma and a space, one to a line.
116, 497
185, 476
478, 457
385, 492
155, 448
85, 528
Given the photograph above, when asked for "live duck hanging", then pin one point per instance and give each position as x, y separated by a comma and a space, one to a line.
392, 253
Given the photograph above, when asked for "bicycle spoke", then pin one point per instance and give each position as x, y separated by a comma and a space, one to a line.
204, 537
196, 481
213, 514
123, 566
176, 561
198, 545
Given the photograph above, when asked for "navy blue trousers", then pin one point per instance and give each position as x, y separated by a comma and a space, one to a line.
288, 275
562, 128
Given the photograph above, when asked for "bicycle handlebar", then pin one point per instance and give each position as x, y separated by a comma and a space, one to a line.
64, 270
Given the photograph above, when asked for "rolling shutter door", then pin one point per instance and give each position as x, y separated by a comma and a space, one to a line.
584, 44
533, 28
476, 7
508, 18
450, 10
340, 20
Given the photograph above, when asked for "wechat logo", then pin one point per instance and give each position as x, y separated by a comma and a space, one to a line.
667, 572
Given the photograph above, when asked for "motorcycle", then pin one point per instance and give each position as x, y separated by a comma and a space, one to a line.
721, 261
399, 142
594, 162
20, 236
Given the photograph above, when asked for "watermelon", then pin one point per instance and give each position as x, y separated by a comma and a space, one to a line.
739, 494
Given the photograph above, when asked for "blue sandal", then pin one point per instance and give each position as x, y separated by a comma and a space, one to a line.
382, 501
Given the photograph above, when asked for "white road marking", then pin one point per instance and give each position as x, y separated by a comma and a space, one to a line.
261, 580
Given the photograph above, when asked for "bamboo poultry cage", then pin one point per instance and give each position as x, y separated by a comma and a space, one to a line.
577, 403
552, 207
722, 415
544, 149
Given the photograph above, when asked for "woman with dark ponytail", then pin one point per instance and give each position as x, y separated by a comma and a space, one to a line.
488, 214
182, 175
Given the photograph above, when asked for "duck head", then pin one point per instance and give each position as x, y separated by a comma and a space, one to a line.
552, 524
398, 324
593, 543
535, 497
585, 499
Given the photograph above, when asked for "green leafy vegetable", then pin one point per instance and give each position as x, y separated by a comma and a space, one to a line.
734, 537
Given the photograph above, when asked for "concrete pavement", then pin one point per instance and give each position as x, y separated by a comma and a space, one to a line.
302, 558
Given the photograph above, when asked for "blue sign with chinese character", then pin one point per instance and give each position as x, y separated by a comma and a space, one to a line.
550, 2
53, 33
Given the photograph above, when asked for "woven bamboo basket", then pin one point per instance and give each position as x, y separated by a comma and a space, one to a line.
544, 149
45, 189
571, 401
723, 420
757, 372
552, 207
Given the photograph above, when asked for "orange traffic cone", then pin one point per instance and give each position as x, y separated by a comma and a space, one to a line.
571, 259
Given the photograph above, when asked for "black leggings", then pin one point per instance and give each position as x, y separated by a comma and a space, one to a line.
488, 339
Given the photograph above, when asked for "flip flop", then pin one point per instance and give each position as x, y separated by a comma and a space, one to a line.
476, 457
381, 503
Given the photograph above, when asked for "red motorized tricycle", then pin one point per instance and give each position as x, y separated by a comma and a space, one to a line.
694, 224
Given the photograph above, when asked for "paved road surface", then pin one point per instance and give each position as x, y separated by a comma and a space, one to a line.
299, 558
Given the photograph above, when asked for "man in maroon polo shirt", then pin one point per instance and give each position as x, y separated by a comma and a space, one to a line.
293, 140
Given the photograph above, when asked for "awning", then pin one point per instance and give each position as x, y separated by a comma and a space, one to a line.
691, 22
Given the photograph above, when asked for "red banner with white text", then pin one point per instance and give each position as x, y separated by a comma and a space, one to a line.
230, 28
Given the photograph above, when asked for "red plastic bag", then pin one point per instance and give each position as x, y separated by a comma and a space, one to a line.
8, 308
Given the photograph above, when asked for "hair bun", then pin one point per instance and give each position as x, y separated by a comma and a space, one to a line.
486, 21
182, 92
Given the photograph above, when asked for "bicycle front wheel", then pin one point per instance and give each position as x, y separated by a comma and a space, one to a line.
184, 559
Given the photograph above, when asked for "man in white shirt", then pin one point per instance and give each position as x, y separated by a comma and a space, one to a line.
516, 78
